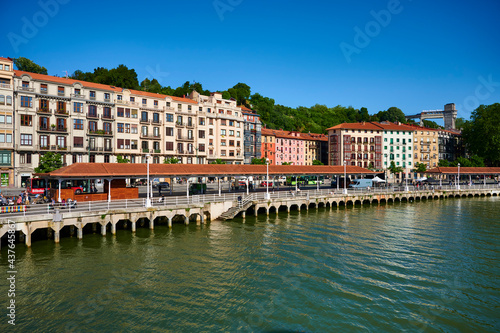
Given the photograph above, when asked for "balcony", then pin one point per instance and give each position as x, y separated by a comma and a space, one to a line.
61, 129
184, 138
62, 113
45, 129
145, 121
100, 133
46, 111
133, 103
179, 124
190, 125
43, 91
157, 151
107, 100
78, 96
92, 115
5, 86
107, 117
94, 149
108, 148
156, 122
60, 93
61, 148
169, 108
25, 89
149, 137
121, 101
92, 98
145, 150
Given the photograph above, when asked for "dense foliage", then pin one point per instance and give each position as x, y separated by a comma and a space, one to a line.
482, 133
24, 64
49, 162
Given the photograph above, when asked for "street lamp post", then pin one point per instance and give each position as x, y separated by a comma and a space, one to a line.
406, 180
345, 177
88, 181
267, 180
458, 178
148, 199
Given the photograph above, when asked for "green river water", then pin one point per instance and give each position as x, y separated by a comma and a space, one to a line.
425, 266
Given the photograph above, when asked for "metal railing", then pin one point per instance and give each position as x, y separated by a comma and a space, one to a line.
47, 210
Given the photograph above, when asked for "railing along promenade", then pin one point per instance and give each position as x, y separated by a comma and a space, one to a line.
213, 206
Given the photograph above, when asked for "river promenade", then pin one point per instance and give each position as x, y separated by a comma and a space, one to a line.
105, 215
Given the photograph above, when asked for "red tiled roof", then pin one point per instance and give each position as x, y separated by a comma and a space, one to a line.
361, 126
62, 80
466, 170
6, 59
293, 135
244, 108
129, 170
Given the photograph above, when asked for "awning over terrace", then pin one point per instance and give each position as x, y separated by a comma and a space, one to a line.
128, 170
465, 171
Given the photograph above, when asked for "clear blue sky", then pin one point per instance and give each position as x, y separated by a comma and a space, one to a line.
424, 55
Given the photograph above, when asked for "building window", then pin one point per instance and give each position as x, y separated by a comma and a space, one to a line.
201, 134
169, 131
127, 128
169, 146
78, 142
26, 102
78, 124
92, 94
120, 112
135, 129
60, 90
170, 118
26, 120
26, 140
78, 107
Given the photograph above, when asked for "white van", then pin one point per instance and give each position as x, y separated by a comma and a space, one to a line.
361, 183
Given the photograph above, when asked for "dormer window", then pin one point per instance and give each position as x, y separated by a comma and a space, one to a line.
25, 84
144, 102
77, 91
132, 99
119, 97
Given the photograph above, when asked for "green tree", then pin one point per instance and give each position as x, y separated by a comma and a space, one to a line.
49, 162
218, 161
226, 95
459, 123
240, 92
473, 161
444, 163
395, 169
24, 64
482, 133
392, 114
317, 162
420, 167
121, 159
430, 124
171, 160
286, 163
259, 160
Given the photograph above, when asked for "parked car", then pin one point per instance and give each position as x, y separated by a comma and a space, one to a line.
265, 183
163, 186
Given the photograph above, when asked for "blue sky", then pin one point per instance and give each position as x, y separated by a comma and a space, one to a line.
420, 55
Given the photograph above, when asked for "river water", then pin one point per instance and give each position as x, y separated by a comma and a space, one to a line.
426, 266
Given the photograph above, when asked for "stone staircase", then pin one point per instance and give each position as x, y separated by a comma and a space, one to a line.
240, 206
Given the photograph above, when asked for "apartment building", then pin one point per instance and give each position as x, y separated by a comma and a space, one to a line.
358, 144
252, 135
316, 148
450, 144
225, 125
268, 147
425, 146
90, 122
397, 145
7, 170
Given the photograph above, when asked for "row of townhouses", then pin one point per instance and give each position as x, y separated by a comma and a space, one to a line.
375, 145
96, 123
90, 122
294, 147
